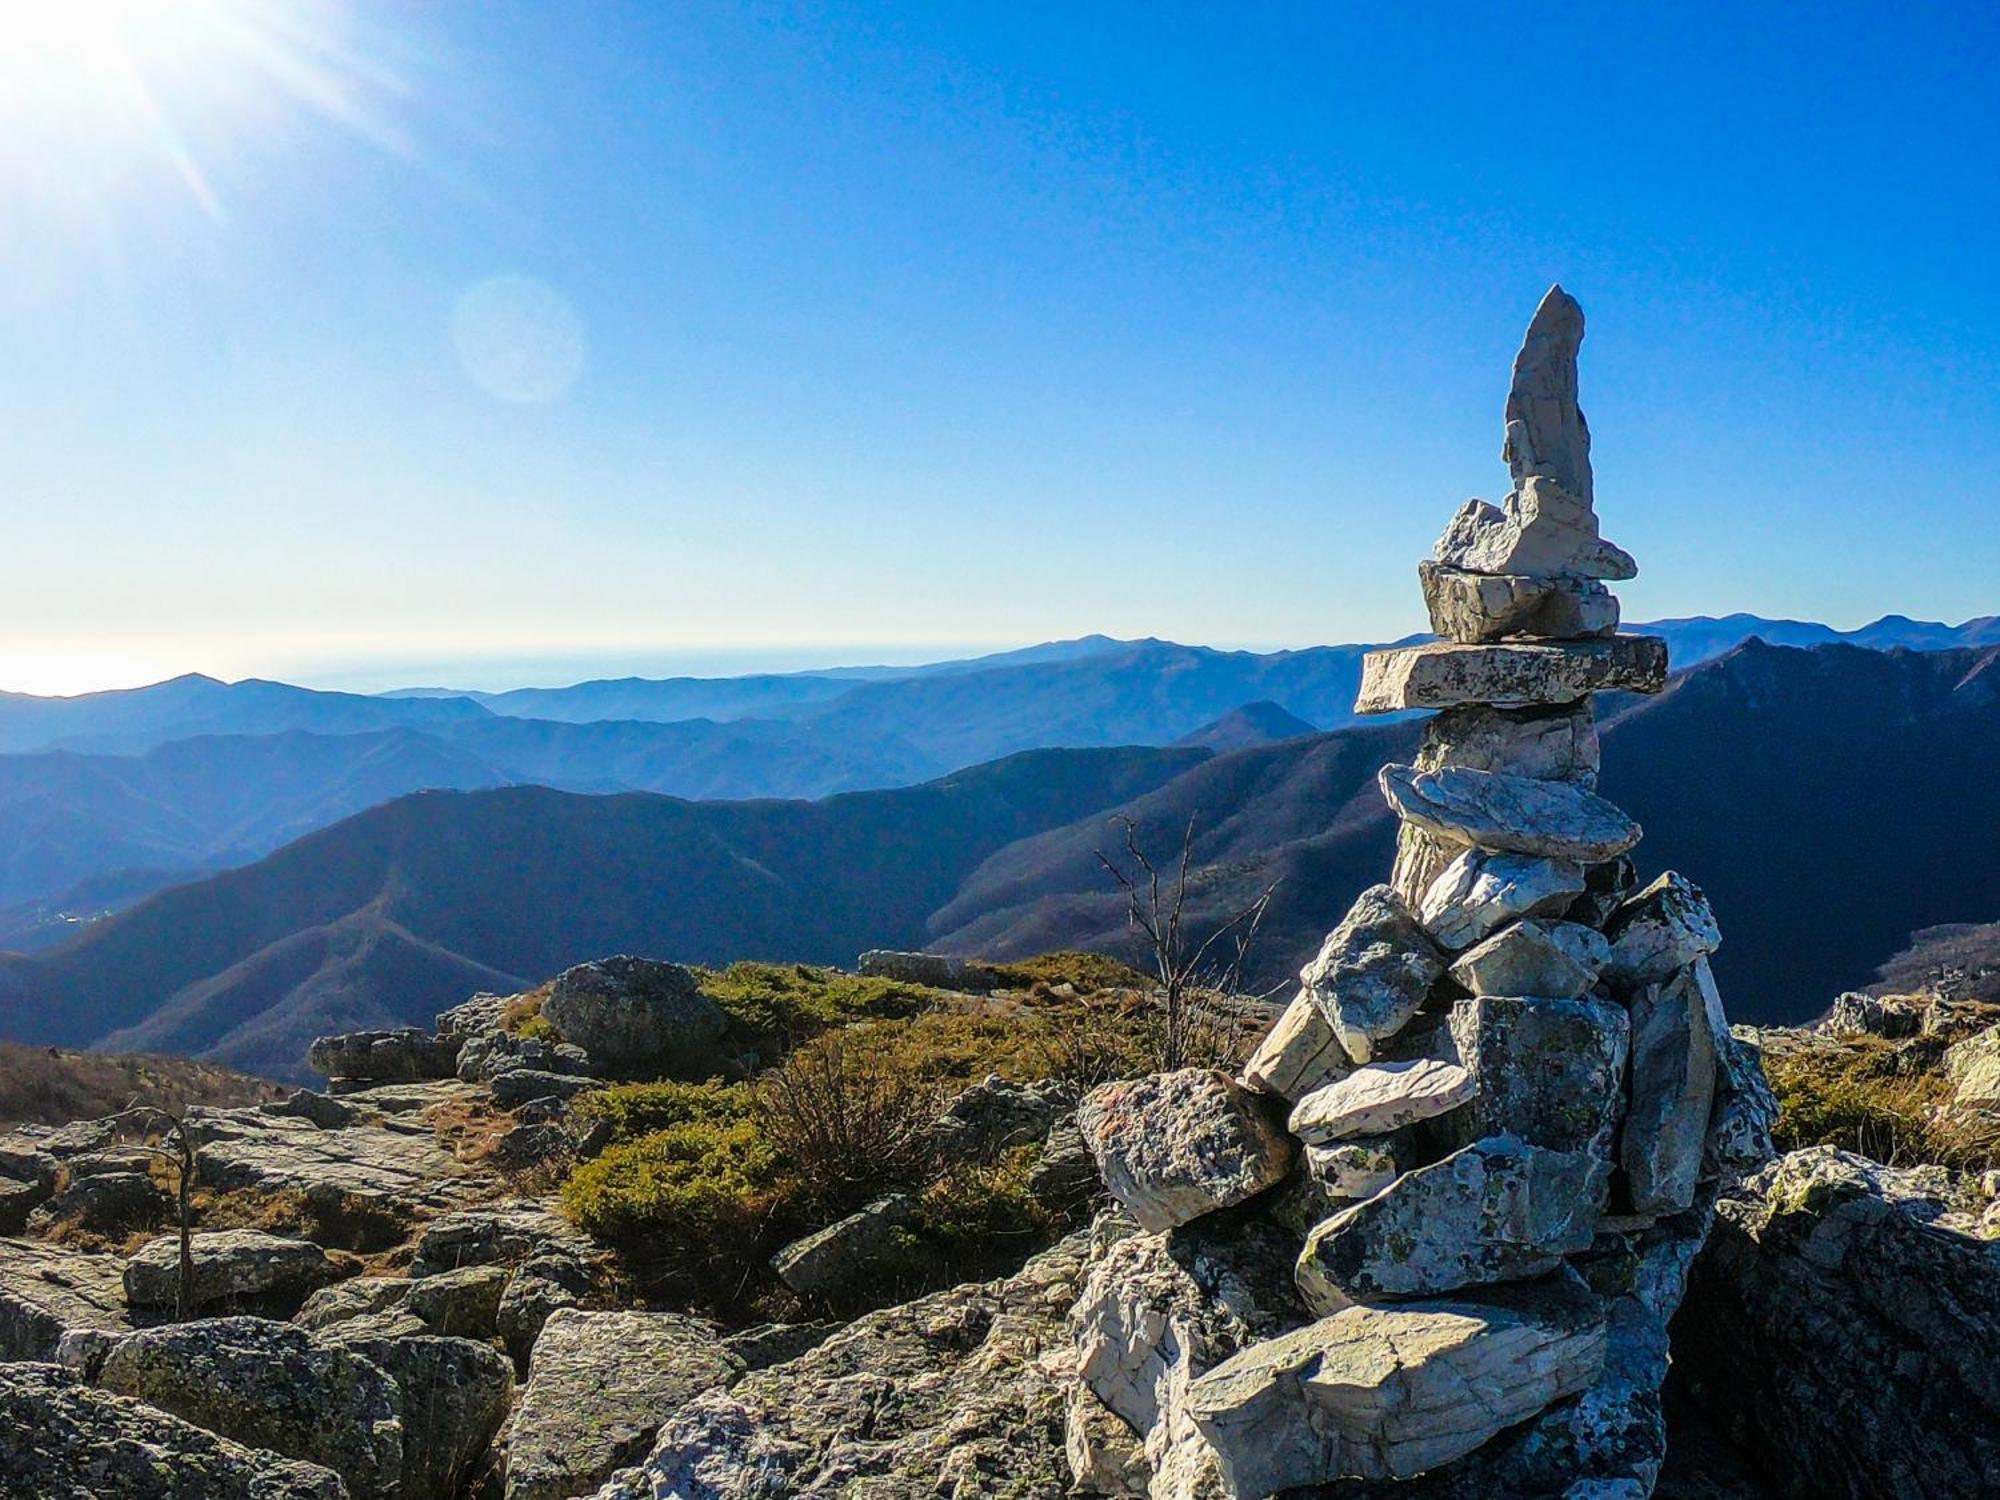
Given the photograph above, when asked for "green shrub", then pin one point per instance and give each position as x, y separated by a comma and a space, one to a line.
697, 1188
636, 1109
979, 1214
1085, 971
1860, 1099
778, 1005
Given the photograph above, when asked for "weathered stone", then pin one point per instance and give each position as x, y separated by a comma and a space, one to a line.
1390, 1392
230, 1266
1478, 607
486, 1055
958, 1393
383, 1056
1549, 1071
105, 1203
47, 1291
870, 1254
1174, 1146
1556, 743
1516, 674
322, 1110
1745, 1111
1846, 1336
18, 1200
1157, 1311
1546, 431
270, 1385
1540, 530
1973, 1066
600, 1386
1509, 814
1673, 1090
22, 1159
1540, 956
1478, 893
519, 1086
61, 1440
1298, 1054
503, 1235
765, 1344
1498, 1210
538, 1287
1373, 971
631, 1013
1659, 931
483, 1012
1064, 1177
1857, 1014
345, 1300
391, 1168
1381, 1097
939, 971
996, 1115
1106, 1457
1354, 1169
453, 1395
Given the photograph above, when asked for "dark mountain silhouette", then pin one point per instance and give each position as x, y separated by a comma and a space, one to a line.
1833, 800
380, 915
1963, 956
1252, 724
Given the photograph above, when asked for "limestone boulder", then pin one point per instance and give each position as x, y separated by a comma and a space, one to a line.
1512, 674
1157, 1311
636, 1014
388, 1168
1540, 530
63, 1440
1859, 1014
1658, 931
1673, 1090
1549, 1071
270, 1385
941, 971
864, 1258
1497, 1210
482, 1013
1509, 814
996, 1115
1973, 1066
1475, 607
519, 1086
958, 1393
1553, 743
600, 1385
1174, 1146
1380, 1098
1479, 892
47, 1291
486, 1055
536, 1288
1845, 1333
361, 1297
1540, 956
231, 1266
453, 1393
504, 1234
1298, 1054
1106, 1457
398, 1056
322, 1110
1387, 1393
1373, 972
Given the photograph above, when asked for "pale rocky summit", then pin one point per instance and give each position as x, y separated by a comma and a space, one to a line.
1509, 1072
1174, 1146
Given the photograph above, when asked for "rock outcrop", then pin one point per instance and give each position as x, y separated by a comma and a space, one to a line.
1512, 1088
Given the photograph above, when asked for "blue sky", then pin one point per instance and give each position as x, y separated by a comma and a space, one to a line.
496, 342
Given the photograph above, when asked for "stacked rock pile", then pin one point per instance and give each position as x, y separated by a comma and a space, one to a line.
1488, 1133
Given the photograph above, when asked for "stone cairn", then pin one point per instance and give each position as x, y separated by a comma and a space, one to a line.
1430, 1239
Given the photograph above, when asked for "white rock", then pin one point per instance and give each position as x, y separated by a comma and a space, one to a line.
1540, 530
1478, 893
1373, 971
1353, 1169
1657, 932
1474, 607
1381, 1097
1174, 1146
1538, 956
1297, 1055
1510, 674
1554, 743
1673, 1090
1509, 814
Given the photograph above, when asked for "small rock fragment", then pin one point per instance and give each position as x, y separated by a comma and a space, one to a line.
1381, 1097
1298, 1054
1373, 971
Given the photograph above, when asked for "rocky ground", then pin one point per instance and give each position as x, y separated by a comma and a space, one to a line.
390, 1295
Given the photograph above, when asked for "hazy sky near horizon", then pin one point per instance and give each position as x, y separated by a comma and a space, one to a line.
444, 340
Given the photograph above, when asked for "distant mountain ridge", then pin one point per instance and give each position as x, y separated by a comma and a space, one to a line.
1835, 800
194, 774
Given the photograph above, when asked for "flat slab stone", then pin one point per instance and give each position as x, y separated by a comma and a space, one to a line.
1509, 814
47, 1291
1475, 607
1297, 1055
1673, 1090
600, 1385
1373, 971
229, 1265
1498, 1210
1381, 1097
1539, 956
1174, 1146
1387, 1393
1515, 674
1480, 892
277, 1153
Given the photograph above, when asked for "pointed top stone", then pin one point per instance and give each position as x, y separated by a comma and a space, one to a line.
1546, 433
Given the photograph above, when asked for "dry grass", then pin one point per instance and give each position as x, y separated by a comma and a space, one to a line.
53, 1086
1881, 1099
